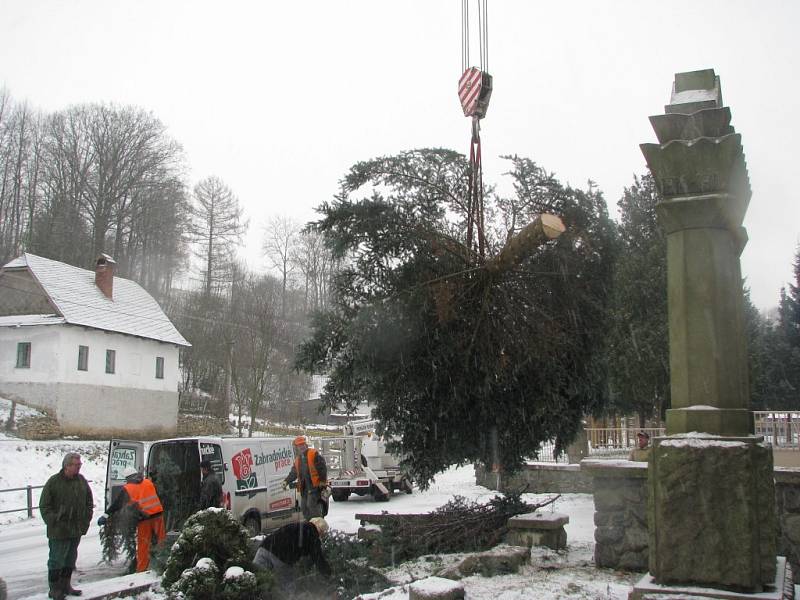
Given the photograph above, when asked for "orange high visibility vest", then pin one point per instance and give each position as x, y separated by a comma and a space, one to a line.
311, 456
144, 496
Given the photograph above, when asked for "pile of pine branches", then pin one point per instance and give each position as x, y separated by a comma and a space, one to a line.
460, 525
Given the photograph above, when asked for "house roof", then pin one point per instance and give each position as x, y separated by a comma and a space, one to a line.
79, 301
27, 320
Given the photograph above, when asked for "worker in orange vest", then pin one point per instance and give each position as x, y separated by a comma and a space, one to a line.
140, 495
311, 473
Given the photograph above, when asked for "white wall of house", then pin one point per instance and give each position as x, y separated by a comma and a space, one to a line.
54, 356
131, 398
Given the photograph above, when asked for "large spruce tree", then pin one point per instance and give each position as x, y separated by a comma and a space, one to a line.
639, 342
464, 357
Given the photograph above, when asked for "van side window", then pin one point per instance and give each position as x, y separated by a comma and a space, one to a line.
213, 454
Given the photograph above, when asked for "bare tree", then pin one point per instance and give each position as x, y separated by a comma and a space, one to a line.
131, 154
217, 227
256, 353
280, 238
19, 144
317, 265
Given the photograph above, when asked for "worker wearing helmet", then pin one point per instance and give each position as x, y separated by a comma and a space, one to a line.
311, 473
139, 495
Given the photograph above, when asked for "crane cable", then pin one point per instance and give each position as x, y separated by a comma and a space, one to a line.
483, 30
475, 105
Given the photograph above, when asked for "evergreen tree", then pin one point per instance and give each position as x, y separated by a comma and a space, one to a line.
465, 357
790, 306
768, 353
786, 341
639, 343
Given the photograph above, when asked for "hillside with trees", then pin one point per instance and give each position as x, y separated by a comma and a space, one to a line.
468, 351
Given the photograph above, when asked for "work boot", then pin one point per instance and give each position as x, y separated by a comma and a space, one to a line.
66, 576
54, 579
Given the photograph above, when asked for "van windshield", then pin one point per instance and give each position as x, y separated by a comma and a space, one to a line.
174, 468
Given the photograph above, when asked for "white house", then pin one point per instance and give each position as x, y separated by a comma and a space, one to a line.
93, 349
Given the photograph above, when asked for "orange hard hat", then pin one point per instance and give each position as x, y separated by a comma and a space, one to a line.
299, 440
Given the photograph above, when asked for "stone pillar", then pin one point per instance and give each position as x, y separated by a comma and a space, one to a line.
711, 510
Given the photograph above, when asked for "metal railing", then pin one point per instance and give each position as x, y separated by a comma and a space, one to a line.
28, 489
616, 441
780, 428
604, 442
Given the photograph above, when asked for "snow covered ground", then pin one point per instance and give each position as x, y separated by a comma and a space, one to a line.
551, 575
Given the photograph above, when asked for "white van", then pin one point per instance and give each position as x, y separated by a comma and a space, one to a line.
250, 470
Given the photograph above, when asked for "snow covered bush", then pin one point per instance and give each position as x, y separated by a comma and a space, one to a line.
198, 583
211, 533
238, 584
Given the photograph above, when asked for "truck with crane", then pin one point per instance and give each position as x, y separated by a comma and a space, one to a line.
358, 463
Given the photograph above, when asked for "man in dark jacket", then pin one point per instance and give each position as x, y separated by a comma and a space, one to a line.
211, 492
139, 495
291, 542
311, 473
66, 506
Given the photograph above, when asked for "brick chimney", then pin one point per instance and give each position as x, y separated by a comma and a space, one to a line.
104, 275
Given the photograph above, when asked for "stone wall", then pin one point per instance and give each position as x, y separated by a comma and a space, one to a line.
540, 478
98, 412
620, 500
620, 517
787, 511
620, 503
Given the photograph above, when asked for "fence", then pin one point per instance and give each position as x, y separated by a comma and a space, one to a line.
780, 428
616, 441
606, 442
28, 489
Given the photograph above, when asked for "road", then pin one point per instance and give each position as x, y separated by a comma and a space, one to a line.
23, 558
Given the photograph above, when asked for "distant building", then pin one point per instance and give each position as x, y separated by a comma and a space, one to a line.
94, 350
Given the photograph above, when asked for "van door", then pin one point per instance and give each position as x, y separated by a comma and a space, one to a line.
282, 505
121, 455
174, 468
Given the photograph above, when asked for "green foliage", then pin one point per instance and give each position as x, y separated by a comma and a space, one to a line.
213, 534
348, 558
638, 351
775, 351
118, 535
200, 582
463, 363
790, 306
238, 584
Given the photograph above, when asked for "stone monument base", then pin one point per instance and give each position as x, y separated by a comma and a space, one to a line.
781, 589
711, 512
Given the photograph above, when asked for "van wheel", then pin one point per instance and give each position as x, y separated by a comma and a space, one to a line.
253, 525
378, 495
340, 495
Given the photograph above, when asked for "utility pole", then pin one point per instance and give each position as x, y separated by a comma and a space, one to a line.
228, 378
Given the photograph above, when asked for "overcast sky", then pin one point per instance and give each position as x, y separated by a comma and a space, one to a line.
280, 98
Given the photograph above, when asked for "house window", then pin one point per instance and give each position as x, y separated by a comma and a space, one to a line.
24, 355
159, 367
111, 360
83, 358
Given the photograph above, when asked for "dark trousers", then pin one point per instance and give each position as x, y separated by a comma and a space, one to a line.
63, 553
311, 504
